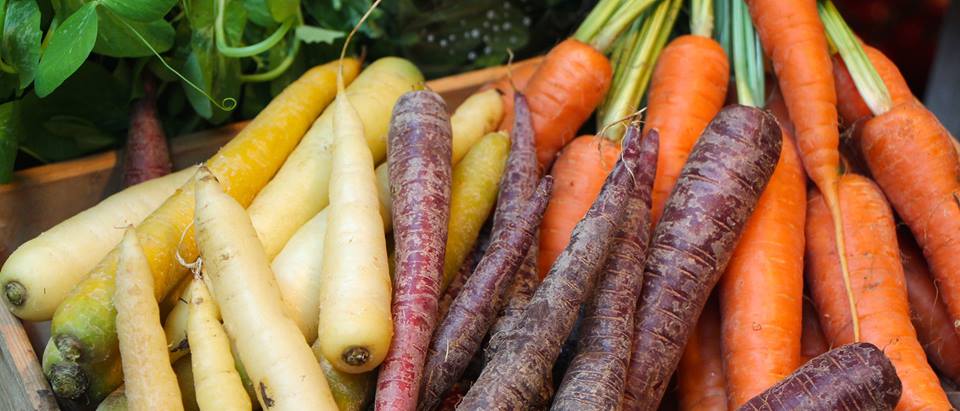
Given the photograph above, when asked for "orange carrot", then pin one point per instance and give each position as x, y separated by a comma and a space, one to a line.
794, 38
928, 312
812, 341
578, 176
878, 284
700, 380
520, 78
563, 92
683, 98
850, 104
761, 293
913, 160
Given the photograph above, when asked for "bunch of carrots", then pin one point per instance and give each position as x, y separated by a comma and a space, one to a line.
358, 245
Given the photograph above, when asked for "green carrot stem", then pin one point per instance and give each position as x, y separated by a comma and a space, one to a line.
253, 49
619, 22
864, 75
596, 20
724, 26
701, 17
747, 58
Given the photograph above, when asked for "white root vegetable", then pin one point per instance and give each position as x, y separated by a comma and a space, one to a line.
149, 381
42, 272
215, 378
276, 356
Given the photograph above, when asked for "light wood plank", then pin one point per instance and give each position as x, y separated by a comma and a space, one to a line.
22, 385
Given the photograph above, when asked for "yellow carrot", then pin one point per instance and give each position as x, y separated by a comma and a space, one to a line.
216, 381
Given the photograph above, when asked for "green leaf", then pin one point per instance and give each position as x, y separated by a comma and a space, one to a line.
259, 13
196, 73
313, 34
140, 10
283, 9
21, 38
9, 130
67, 50
117, 39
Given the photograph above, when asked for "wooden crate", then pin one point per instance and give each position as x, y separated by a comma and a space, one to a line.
41, 197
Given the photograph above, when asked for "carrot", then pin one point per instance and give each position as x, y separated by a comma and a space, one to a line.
701, 223
850, 104
927, 311
40, 273
812, 340
594, 379
84, 349
853, 377
469, 265
352, 392
683, 98
216, 380
274, 353
794, 39
579, 174
420, 174
761, 293
878, 285
912, 158
147, 155
514, 376
701, 383
458, 337
517, 80
149, 380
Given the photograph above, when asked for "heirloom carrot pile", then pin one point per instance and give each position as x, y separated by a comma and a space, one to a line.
594, 230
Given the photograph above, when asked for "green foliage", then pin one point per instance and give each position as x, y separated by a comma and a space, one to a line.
21, 39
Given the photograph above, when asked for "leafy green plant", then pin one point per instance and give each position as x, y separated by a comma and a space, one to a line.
70, 68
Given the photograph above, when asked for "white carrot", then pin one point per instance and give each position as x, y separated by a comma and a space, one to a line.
149, 381
42, 271
274, 353
217, 382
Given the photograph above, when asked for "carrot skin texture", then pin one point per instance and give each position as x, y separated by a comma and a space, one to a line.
516, 297
812, 340
563, 92
458, 338
701, 383
852, 377
878, 284
420, 175
579, 175
521, 173
694, 239
520, 78
147, 155
683, 98
596, 375
912, 159
513, 378
761, 292
927, 311
850, 104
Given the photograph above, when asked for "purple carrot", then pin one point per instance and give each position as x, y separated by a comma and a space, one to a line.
473, 311
524, 284
420, 172
466, 269
852, 377
522, 170
596, 376
147, 156
515, 374
714, 196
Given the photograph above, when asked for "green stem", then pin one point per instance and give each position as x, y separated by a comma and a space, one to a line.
280, 68
619, 22
864, 75
6, 68
253, 49
747, 59
724, 26
227, 104
701, 17
596, 19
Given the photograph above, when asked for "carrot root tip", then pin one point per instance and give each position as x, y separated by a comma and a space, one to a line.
15, 293
68, 381
356, 356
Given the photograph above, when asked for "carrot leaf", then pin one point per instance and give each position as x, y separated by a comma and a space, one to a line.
747, 56
864, 75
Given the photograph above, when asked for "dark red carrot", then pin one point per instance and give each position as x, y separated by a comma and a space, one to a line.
524, 284
520, 176
716, 193
459, 336
420, 173
456, 285
595, 378
515, 374
852, 377
147, 155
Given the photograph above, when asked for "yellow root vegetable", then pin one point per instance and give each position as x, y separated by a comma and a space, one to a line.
274, 353
216, 381
299, 190
353, 392
149, 381
83, 333
476, 180
298, 265
40, 273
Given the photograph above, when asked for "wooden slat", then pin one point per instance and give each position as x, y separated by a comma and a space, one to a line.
39, 198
